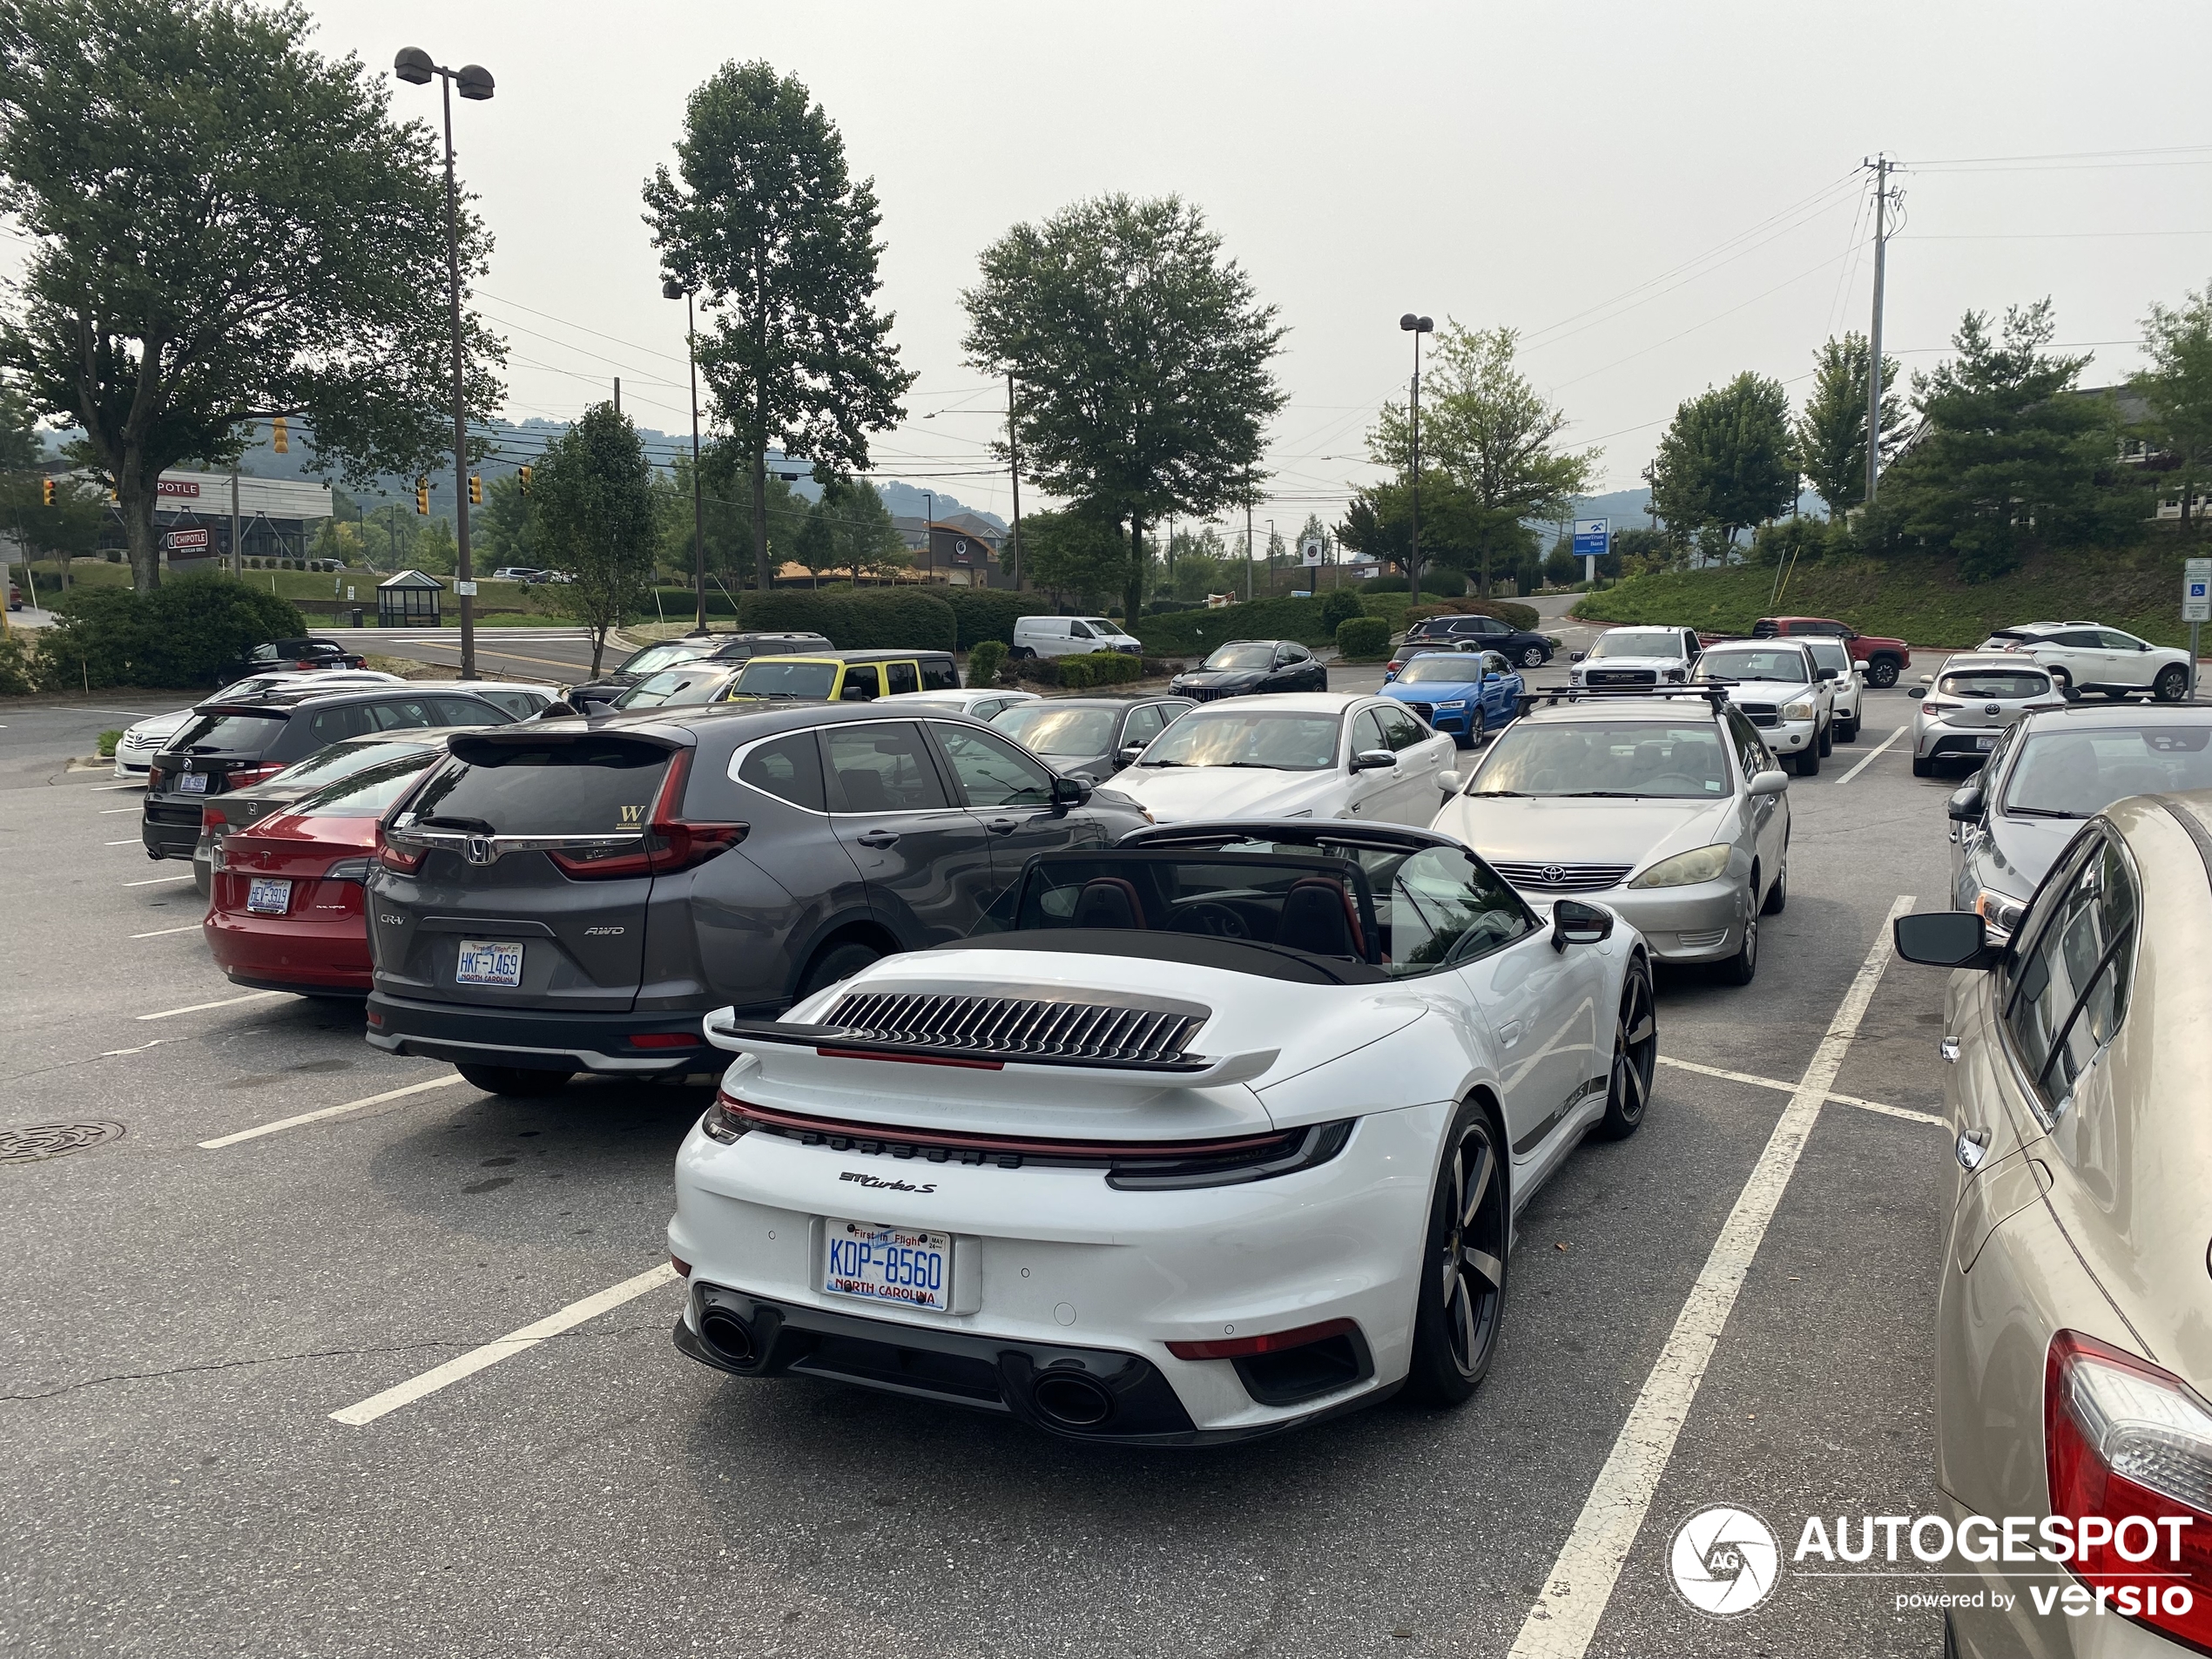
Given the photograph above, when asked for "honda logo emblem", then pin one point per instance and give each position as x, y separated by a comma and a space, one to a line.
480, 850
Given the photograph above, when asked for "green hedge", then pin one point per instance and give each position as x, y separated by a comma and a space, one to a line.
988, 613
983, 660
868, 619
1093, 668
1445, 584
1363, 639
1195, 631
187, 632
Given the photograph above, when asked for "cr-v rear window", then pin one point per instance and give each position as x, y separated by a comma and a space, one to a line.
221, 733
593, 786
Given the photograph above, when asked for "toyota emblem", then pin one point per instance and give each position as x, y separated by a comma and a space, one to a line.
1991, 708
1554, 875
480, 850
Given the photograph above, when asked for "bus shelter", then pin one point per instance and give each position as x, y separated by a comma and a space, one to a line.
409, 600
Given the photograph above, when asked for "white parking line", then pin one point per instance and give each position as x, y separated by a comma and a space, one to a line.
1867, 759
1905, 1112
282, 1123
491, 1353
106, 789
133, 841
109, 812
1581, 1582
201, 1008
163, 932
155, 880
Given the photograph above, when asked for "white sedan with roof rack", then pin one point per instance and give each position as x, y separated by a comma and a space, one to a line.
1223, 1132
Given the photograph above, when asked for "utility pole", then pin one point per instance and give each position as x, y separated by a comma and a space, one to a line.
1013, 451
1874, 337
1248, 536
618, 395
1416, 326
237, 555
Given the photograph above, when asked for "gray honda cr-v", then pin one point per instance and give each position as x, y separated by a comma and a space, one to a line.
569, 896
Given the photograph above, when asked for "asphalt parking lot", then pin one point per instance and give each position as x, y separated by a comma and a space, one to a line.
257, 1399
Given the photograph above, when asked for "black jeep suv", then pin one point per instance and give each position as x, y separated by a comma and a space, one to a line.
573, 895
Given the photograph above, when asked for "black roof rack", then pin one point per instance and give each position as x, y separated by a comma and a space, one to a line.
1712, 692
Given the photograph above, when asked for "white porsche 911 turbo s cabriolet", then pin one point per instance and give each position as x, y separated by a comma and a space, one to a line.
1224, 1130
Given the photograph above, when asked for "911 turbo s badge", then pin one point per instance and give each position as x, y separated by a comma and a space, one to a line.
887, 1186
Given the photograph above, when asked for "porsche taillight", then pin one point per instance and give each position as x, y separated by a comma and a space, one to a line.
2127, 1452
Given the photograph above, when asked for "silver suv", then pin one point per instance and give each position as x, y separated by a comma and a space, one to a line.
1666, 806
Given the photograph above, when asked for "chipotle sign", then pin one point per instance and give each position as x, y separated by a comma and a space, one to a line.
177, 487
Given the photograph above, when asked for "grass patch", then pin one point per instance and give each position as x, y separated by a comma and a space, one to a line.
108, 740
1919, 601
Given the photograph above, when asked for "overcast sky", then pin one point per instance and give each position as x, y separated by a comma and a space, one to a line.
1520, 165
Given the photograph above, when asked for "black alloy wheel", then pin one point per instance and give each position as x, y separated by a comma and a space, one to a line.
1881, 671
520, 1082
2172, 683
1532, 657
1478, 728
1635, 1055
1462, 1297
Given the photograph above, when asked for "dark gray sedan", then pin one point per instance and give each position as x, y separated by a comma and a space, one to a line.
1090, 736
2048, 771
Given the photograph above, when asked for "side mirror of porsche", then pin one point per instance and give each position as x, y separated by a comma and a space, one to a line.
1450, 782
1372, 761
1945, 939
1576, 923
1772, 782
1965, 806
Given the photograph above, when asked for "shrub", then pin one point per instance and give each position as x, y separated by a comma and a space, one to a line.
871, 619
1201, 631
186, 632
108, 740
19, 668
1505, 610
1166, 607
1363, 639
983, 659
1077, 673
1340, 604
1446, 584
987, 613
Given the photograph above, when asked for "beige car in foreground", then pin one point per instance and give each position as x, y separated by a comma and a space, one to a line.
2073, 1345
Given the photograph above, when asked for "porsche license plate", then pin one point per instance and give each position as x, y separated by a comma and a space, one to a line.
269, 895
488, 963
192, 783
887, 1263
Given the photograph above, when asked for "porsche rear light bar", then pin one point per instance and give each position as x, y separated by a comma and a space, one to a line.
2127, 1452
1271, 1342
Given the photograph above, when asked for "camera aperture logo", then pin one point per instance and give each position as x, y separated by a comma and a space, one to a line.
1724, 1560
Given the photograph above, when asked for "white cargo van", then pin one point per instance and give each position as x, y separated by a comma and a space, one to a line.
1071, 636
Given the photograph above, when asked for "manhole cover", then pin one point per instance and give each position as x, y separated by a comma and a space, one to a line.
52, 1139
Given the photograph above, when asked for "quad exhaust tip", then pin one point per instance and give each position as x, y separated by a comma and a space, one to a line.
1072, 1399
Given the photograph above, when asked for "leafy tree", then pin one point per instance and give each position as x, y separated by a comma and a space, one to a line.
768, 226
21, 447
725, 510
68, 530
868, 543
592, 512
1726, 462
1076, 554
1199, 563
1143, 358
2006, 451
1376, 523
1561, 568
1494, 439
815, 548
433, 550
1831, 432
502, 524
2177, 389
225, 225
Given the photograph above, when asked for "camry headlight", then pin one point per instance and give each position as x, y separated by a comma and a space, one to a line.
1803, 709
1706, 864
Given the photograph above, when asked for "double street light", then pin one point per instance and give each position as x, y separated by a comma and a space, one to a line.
473, 82
1417, 327
671, 289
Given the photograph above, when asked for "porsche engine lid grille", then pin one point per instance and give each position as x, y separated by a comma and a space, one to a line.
1004, 1028
1562, 878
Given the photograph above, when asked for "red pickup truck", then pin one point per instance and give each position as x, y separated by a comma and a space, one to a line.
1885, 659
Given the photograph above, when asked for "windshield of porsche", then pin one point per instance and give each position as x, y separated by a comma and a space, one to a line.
1405, 912
1637, 642
1260, 737
1455, 665
1644, 758
1261, 656
2072, 774
1786, 665
1046, 730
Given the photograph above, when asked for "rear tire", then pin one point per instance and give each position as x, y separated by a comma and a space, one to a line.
1461, 1303
518, 1081
1923, 766
838, 962
1635, 1055
2172, 683
203, 878
1850, 733
1534, 657
1827, 743
1809, 762
1883, 671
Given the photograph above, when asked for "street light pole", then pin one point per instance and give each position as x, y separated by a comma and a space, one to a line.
414, 66
668, 290
1417, 327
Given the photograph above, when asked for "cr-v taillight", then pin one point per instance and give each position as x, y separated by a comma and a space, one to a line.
2128, 1450
669, 844
406, 860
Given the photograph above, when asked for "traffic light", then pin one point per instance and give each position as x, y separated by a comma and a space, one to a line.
46, 489
475, 490
423, 496
279, 436
525, 474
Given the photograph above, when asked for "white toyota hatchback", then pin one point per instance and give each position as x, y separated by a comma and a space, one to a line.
1224, 1131
1293, 754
